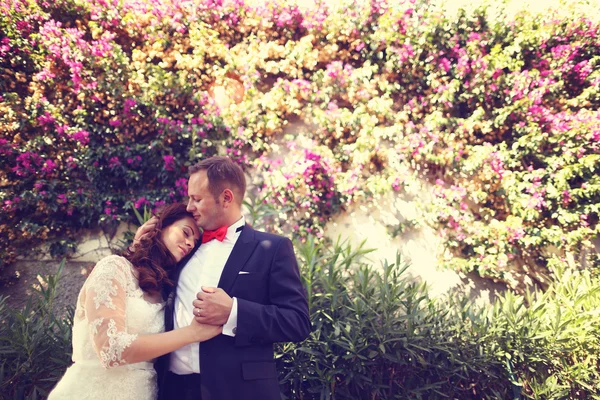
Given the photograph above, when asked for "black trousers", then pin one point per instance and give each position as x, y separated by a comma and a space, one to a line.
182, 387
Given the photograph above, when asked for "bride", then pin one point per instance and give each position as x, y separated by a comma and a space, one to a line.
119, 328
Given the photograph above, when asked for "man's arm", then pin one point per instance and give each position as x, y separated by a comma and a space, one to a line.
285, 319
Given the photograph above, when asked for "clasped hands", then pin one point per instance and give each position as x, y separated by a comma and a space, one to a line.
212, 306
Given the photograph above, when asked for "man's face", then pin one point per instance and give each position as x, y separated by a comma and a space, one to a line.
207, 211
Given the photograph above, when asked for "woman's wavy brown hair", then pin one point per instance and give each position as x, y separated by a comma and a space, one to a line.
154, 263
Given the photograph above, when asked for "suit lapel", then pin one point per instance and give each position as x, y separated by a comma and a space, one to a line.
242, 250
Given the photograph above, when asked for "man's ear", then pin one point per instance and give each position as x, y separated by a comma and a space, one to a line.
228, 197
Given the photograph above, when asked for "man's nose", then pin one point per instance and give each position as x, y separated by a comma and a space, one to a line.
189, 205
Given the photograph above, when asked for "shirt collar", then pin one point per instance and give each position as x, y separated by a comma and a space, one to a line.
231, 231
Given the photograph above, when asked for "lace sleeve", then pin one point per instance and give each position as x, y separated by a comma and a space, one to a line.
105, 307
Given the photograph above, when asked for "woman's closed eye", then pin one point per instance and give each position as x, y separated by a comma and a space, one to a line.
188, 234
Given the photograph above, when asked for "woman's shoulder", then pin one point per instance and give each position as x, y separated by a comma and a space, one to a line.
114, 265
110, 276
114, 260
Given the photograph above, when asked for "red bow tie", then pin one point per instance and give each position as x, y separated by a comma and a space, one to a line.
218, 234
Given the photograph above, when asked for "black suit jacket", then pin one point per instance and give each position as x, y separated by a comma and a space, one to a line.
272, 307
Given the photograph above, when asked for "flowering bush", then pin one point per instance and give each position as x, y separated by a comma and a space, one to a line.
306, 181
104, 103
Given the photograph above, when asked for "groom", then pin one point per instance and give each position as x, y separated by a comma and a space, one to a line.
243, 279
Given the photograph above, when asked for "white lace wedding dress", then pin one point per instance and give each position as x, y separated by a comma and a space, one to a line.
111, 312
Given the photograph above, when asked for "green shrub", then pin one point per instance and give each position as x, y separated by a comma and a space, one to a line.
35, 343
378, 335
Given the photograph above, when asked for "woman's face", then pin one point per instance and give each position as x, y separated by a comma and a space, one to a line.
180, 237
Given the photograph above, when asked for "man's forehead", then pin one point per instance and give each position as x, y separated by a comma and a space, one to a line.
197, 182
199, 176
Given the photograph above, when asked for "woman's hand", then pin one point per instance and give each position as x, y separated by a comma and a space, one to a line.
203, 332
143, 231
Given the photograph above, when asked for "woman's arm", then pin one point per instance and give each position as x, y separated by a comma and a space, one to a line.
106, 312
148, 347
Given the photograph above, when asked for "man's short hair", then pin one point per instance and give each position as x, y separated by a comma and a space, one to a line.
222, 173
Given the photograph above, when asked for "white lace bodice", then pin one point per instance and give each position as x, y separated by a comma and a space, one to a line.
111, 312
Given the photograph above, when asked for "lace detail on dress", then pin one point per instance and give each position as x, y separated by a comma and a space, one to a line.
102, 335
107, 291
110, 356
95, 324
106, 282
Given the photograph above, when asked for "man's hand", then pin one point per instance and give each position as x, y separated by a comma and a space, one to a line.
143, 231
212, 306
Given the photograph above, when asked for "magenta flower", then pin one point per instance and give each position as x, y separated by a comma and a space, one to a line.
181, 185
584, 222
46, 119
566, 198
114, 162
71, 162
4, 46
49, 166
5, 147
445, 64
82, 137
141, 202
128, 105
497, 164
169, 163
157, 205
474, 36
27, 163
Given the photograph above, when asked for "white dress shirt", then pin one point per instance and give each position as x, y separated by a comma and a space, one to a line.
203, 269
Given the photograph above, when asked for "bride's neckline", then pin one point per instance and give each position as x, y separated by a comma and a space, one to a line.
143, 295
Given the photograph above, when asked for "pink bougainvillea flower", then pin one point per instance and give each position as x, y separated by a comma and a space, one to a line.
114, 162
82, 136
142, 201
169, 162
